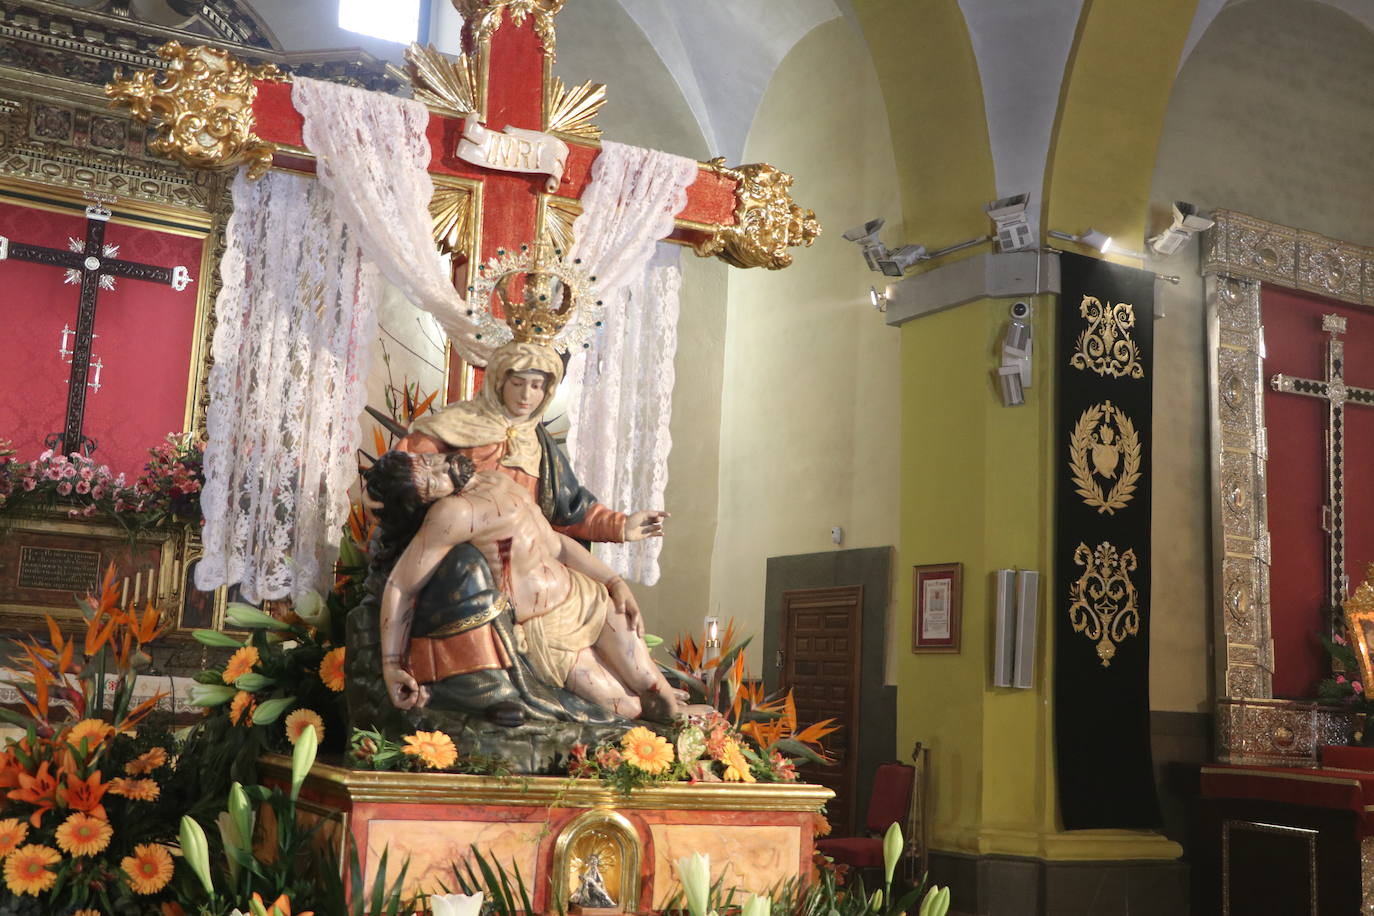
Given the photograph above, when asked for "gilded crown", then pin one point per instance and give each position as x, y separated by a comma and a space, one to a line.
555, 305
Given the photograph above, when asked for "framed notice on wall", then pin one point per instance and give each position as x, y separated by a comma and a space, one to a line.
937, 592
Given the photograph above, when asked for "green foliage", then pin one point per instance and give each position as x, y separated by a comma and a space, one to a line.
504, 894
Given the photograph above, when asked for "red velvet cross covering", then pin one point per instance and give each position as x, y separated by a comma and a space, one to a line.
1296, 346
145, 336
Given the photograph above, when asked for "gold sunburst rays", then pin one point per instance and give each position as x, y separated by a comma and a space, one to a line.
442, 82
557, 223
572, 108
450, 213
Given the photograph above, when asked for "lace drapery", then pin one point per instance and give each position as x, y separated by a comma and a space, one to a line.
619, 440
294, 322
373, 154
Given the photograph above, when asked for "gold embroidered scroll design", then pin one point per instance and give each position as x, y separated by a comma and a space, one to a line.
1103, 600
1104, 442
1105, 346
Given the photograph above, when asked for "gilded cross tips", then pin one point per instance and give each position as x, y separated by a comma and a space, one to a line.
1337, 394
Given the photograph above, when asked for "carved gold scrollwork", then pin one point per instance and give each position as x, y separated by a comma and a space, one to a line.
1104, 606
481, 18
1107, 436
450, 213
441, 82
1106, 346
201, 106
767, 222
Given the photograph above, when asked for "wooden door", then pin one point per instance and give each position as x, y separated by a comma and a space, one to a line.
820, 655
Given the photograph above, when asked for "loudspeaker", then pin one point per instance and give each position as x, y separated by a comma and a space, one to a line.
1004, 655
1027, 602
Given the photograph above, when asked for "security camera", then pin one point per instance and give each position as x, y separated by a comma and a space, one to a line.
1186, 223
1020, 310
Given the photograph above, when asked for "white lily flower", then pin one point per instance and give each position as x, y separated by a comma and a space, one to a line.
757, 906
695, 872
455, 904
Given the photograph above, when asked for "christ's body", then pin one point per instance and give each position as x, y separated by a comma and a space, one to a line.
581, 621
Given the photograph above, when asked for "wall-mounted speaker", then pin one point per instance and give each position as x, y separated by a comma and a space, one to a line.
1027, 604
1004, 656
1018, 600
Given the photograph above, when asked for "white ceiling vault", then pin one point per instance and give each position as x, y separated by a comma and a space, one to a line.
721, 53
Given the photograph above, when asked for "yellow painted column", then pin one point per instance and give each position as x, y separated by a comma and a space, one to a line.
977, 478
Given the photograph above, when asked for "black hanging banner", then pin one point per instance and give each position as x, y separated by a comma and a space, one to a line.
1102, 546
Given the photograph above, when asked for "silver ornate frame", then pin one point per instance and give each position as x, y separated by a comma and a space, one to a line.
1239, 254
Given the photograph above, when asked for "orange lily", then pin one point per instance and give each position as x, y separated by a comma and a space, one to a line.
279, 907
83, 794
39, 789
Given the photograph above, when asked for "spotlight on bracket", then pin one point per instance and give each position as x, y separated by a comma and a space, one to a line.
866, 237
1186, 223
903, 259
1013, 229
876, 299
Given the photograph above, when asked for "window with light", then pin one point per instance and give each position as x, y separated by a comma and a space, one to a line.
389, 20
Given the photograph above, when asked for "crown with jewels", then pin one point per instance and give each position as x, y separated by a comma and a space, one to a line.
557, 307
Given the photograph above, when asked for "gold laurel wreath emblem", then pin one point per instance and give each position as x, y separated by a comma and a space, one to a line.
1080, 441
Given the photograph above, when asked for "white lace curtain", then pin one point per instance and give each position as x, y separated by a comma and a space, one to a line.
619, 441
293, 327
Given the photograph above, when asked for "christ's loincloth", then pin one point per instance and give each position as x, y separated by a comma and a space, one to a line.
553, 639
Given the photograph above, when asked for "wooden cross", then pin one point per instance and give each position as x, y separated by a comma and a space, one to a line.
95, 264
1337, 394
503, 80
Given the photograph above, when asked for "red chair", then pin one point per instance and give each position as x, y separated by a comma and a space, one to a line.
890, 803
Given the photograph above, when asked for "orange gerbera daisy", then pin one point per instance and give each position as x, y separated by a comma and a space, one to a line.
94, 731
240, 663
300, 720
646, 750
86, 912
12, 833
146, 762
135, 789
332, 669
242, 708
83, 835
149, 868
736, 766
27, 872
435, 749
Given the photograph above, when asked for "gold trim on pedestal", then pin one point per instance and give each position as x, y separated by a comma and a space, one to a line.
367, 786
767, 222
201, 107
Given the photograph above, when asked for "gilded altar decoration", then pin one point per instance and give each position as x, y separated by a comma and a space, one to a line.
450, 215
767, 222
1104, 606
1104, 451
443, 82
557, 306
481, 18
596, 862
1106, 346
571, 109
1359, 620
201, 106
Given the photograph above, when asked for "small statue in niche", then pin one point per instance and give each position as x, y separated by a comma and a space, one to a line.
591, 890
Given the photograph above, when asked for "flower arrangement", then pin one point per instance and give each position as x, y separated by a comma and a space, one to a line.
284, 678
168, 491
749, 738
90, 789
